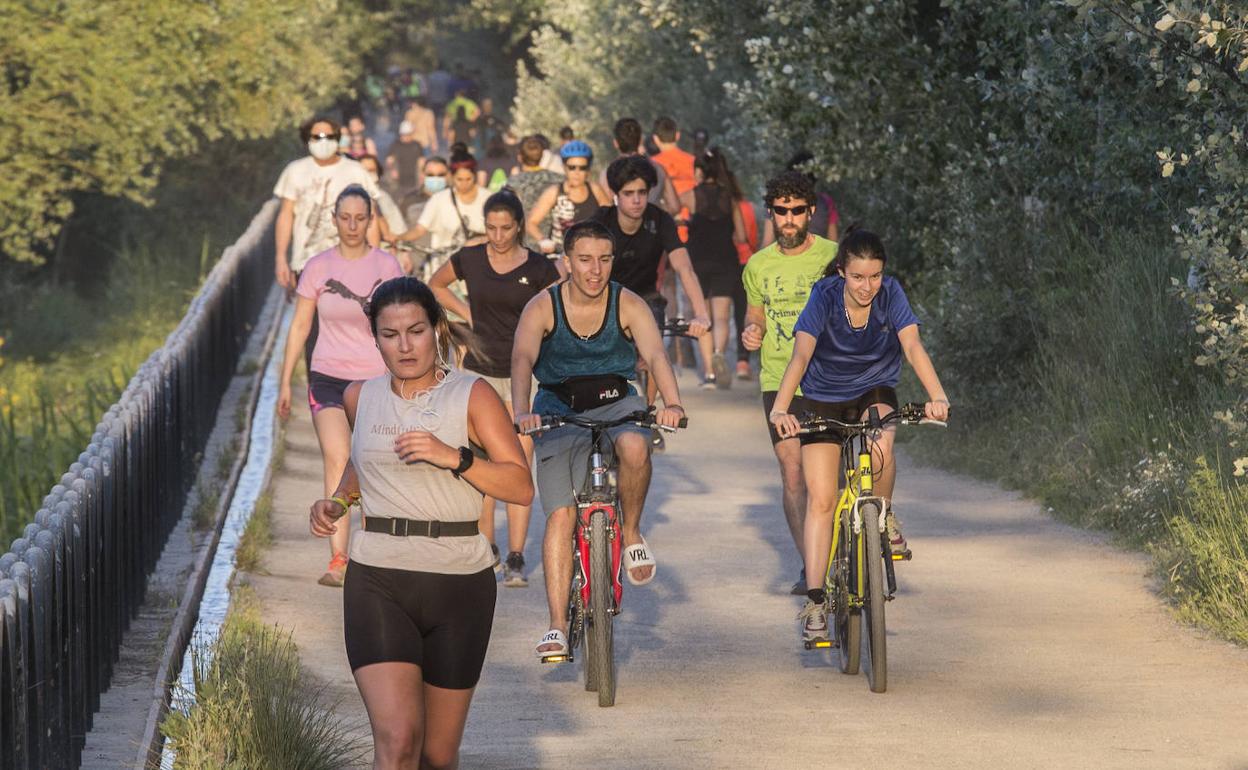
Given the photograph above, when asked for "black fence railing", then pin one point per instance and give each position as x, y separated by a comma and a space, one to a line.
71, 584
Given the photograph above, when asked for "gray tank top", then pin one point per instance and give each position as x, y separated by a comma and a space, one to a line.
393, 489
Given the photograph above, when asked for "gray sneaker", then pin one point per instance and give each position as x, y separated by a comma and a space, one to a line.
896, 540
815, 627
513, 571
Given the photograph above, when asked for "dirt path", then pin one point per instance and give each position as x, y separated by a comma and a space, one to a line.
1015, 641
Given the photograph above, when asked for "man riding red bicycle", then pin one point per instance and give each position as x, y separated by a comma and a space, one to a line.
581, 339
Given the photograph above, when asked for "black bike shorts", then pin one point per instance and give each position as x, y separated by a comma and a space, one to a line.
853, 410
769, 401
439, 622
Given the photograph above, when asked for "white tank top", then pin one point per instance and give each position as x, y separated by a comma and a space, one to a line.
391, 488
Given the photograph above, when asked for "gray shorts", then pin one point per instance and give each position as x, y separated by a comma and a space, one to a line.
562, 455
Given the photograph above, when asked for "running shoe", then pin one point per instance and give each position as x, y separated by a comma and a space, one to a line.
799, 588
896, 540
815, 625
744, 372
513, 571
336, 572
723, 379
497, 565
708, 382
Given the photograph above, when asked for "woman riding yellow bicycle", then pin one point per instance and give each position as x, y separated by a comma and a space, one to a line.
847, 358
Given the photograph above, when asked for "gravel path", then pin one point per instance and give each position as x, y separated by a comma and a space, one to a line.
1014, 641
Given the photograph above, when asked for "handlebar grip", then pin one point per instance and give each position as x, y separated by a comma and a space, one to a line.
684, 423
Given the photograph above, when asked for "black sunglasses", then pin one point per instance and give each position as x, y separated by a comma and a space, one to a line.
796, 211
324, 136
577, 167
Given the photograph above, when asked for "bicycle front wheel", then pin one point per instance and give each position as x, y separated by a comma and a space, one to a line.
877, 645
601, 640
847, 620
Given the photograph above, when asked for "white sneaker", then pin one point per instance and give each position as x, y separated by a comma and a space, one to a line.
816, 626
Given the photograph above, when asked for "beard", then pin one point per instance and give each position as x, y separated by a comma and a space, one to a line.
792, 241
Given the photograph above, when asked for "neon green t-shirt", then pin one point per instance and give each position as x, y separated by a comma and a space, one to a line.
780, 284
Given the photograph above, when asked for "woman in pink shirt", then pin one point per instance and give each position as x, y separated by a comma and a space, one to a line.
334, 287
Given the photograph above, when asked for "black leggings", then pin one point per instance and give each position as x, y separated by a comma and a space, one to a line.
439, 622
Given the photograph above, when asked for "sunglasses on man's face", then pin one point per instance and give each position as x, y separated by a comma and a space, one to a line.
325, 136
796, 211
577, 167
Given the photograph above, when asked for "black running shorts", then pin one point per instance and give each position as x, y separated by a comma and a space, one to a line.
853, 410
439, 622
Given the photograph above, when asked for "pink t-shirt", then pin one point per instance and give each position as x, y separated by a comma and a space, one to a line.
341, 287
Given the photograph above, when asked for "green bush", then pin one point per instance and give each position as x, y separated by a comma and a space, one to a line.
1206, 562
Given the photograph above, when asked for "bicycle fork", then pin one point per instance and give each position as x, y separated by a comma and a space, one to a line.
866, 488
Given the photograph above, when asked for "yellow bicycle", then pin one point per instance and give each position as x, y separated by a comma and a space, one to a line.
860, 577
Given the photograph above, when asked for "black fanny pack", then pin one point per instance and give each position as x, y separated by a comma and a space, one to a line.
589, 392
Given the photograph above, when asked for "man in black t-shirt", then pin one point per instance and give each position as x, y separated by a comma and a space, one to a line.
644, 235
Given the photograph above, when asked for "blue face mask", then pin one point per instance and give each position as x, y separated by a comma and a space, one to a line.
435, 184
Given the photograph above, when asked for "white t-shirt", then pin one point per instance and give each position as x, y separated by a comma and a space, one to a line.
443, 222
314, 188
552, 162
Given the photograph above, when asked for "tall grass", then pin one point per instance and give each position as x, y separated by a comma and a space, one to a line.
253, 707
1107, 420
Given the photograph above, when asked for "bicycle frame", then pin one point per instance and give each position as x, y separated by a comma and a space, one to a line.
859, 486
601, 496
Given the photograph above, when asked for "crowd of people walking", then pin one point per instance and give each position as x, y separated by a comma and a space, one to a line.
544, 266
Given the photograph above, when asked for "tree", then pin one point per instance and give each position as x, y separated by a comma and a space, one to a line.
97, 96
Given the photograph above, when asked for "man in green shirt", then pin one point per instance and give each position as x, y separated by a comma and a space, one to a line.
777, 284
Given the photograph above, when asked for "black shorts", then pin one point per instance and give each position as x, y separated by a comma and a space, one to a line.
718, 280
658, 307
325, 391
845, 411
439, 622
769, 400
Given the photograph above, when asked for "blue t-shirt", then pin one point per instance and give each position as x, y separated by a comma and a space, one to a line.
848, 362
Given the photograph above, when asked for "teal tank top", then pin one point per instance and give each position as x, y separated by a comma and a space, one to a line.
564, 354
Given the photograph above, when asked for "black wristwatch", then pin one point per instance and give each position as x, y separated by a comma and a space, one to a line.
465, 461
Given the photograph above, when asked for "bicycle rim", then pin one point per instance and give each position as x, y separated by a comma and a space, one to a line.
847, 620
601, 640
877, 644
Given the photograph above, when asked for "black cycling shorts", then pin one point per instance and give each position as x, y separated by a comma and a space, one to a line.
853, 410
769, 400
439, 622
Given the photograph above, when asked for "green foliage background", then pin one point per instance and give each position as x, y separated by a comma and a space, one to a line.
1060, 183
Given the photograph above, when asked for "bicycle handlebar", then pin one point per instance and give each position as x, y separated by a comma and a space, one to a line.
908, 414
644, 419
677, 327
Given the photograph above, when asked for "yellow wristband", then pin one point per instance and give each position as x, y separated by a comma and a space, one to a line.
341, 501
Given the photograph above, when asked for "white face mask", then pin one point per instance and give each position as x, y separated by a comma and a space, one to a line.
323, 149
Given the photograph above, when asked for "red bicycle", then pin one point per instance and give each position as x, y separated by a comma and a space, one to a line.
597, 590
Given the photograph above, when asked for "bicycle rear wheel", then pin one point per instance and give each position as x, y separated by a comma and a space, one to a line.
601, 647
848, 620
877, 645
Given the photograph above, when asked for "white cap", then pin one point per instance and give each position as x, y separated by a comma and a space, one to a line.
406, 127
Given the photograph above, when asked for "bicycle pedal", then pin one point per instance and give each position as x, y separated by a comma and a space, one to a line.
560, 658
903, 556
819, 644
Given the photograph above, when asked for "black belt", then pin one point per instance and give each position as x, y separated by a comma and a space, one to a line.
420, 527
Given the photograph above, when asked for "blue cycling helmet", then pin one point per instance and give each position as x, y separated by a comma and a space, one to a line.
576, 149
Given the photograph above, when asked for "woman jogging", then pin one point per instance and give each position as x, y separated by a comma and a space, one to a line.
418, 604
847, 354
501, 276
715, 228
334, 287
